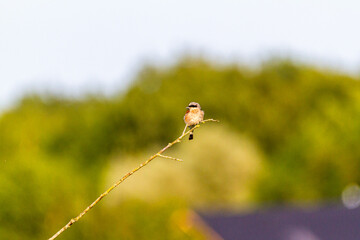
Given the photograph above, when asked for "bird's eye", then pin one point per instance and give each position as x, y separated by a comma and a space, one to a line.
192, 105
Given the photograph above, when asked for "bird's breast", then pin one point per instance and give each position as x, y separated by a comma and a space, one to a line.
193, 117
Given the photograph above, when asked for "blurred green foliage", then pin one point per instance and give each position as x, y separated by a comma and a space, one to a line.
289, 133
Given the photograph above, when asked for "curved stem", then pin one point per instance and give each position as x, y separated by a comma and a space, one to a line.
158, 154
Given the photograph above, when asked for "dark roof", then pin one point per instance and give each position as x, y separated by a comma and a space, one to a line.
325, 223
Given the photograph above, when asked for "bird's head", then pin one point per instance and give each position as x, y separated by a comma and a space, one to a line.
193, 105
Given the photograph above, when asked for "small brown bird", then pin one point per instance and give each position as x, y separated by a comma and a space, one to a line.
193, 116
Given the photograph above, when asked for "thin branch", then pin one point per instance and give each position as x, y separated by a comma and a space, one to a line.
168, 157
158, 154
184, 129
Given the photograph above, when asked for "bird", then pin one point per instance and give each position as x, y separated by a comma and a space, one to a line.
193, 116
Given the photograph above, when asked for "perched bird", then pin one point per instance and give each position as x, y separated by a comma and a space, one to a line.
193, 116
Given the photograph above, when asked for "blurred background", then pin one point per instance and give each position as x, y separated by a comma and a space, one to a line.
90, 89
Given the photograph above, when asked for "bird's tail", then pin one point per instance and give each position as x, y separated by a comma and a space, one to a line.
191, 136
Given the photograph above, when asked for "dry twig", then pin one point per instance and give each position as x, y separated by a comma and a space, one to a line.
158, 154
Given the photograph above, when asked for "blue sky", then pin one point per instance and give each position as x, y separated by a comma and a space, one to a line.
78, 46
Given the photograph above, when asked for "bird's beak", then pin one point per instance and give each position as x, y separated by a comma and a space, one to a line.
187, 108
